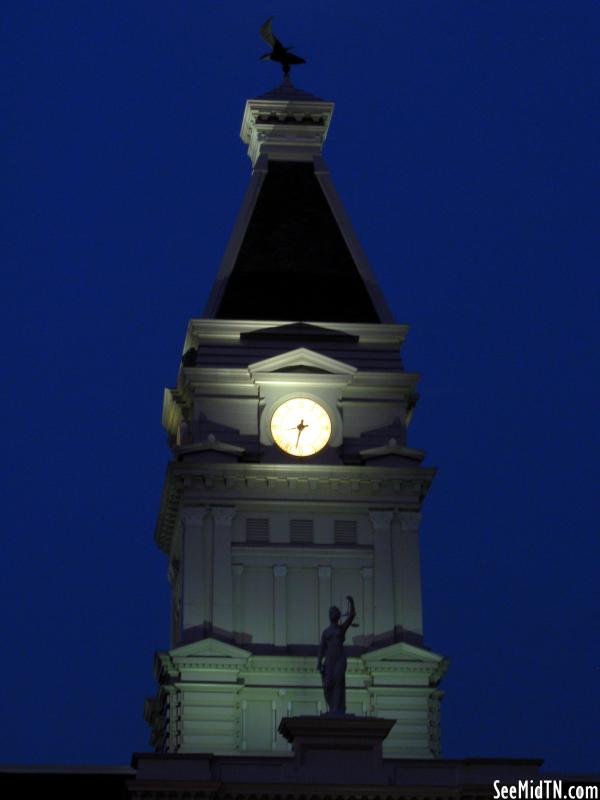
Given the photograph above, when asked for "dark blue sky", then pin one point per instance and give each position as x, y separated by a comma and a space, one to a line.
465, 145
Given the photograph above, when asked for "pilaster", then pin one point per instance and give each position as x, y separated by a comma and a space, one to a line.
279, 605
407, 573
223, 583
384, 586
367, 583
237, 571
197, 573
324, 577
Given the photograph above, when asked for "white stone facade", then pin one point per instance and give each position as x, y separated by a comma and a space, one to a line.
261, 544
223, 699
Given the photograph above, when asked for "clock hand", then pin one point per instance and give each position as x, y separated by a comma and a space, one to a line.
301, 427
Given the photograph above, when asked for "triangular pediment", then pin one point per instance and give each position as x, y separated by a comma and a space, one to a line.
402, 651
209, 648
301, 357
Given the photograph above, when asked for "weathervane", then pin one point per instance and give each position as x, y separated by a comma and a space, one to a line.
279, 52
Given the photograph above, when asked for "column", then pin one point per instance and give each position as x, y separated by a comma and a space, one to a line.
279, 605
238, 621
407, 572
384, 586
222, 578
324, 575
367, 610
196, 573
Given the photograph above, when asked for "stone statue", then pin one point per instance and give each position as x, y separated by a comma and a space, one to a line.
332, 658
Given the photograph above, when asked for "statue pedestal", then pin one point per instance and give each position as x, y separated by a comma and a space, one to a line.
332, 748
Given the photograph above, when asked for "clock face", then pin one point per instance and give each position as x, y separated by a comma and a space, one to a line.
301, 427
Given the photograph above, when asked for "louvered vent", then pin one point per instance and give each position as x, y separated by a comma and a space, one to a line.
301, 531
257, 530
344, 531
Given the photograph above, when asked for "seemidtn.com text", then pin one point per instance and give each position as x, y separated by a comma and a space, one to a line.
545, 789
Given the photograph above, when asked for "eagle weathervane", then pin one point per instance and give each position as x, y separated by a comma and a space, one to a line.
279, 52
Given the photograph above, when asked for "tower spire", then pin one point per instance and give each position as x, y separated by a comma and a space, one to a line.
293, 254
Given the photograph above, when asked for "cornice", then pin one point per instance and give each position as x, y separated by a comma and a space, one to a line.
394, 668
222, 375
402, 651
170, 666
203, 329
211, 445
310, 473
392, 449
287, 111
434, 670
390, 380
365, 486
291, 128
244, 380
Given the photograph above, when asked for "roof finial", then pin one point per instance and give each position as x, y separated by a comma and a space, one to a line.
279, 52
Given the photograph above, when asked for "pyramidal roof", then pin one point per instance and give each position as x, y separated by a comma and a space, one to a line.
287, 91
293, 254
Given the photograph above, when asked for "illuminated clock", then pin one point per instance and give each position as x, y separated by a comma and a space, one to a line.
301, 427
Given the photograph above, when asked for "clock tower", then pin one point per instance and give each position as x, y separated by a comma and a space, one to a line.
291, 484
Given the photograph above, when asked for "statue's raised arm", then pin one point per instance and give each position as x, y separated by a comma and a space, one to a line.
350, 615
